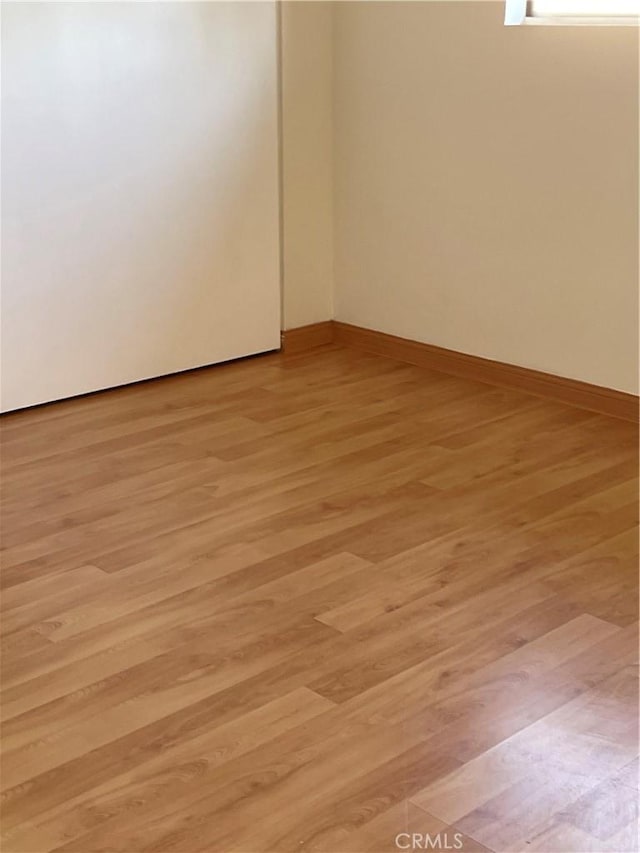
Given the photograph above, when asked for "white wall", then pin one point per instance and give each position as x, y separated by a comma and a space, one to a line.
139, 191
479, 185
307, 179
486, 185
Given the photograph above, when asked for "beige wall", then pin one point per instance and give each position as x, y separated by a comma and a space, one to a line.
486, 185
478, 185
307, 179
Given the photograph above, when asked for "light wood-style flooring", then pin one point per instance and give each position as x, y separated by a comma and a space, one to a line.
322, 602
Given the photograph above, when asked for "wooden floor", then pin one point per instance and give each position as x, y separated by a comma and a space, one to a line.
323, 602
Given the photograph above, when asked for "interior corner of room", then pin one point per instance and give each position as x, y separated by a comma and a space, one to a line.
415, 169
356, 570
485, 184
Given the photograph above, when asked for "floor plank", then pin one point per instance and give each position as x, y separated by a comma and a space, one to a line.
325, 602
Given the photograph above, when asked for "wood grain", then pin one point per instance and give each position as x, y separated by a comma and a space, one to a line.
322, 601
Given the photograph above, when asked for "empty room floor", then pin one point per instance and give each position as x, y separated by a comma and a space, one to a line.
325, 602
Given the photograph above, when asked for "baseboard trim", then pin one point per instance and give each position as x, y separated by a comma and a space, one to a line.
307, 337
583, 395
